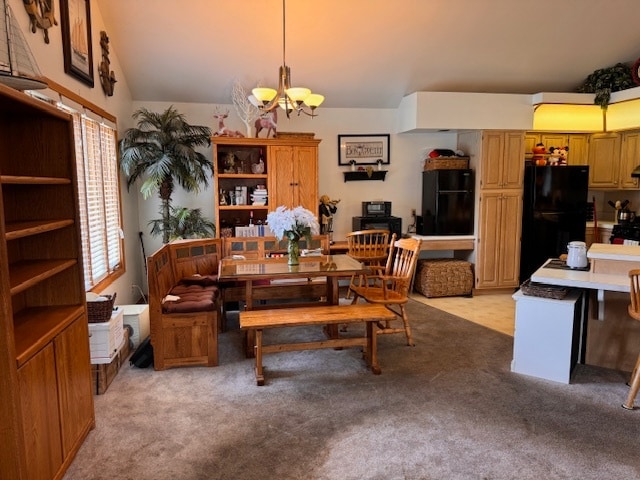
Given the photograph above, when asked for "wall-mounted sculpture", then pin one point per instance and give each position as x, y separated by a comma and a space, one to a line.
107, 77
41, 15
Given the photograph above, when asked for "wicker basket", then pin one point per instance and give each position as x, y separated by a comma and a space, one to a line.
443, 277
99, 312
534, 289
446, 163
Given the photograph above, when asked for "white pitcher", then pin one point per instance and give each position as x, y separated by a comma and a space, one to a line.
577, 255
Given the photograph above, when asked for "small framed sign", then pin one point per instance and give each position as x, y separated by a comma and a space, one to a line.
363, 149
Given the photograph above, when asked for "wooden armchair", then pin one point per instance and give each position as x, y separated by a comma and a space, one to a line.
390, 284
370, 247
634, 312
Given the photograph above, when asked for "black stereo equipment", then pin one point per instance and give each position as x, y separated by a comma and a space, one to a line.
393, 224
376, 209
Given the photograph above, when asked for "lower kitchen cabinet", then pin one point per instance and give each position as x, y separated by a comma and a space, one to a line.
500, 227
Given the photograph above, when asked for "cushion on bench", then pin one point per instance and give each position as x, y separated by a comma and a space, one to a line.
203, 280
193, 298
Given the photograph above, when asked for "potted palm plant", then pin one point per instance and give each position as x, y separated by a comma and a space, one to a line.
184, 223
162, 148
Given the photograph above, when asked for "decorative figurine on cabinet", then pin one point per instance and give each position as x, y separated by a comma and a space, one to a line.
267, 121
222, 130
327, 209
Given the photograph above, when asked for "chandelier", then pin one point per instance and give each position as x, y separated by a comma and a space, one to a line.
289, 98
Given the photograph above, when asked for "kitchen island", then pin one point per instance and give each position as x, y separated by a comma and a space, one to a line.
604, 335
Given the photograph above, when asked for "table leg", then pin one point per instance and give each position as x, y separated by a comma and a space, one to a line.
372, 347
250, 335
258, 354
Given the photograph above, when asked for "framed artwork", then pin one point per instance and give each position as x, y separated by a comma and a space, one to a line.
363, 149
76, 39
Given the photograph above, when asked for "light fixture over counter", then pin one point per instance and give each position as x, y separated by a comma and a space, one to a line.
291, 99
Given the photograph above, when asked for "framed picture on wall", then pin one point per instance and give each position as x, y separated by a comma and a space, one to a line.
76, 39
363, 149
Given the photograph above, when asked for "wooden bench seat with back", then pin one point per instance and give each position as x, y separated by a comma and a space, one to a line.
184, 303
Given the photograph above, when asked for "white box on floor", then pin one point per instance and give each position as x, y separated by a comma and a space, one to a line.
106, 338
137, 317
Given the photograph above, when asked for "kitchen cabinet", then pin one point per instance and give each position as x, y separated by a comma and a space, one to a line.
578, 144
287, 168
629, 159
502, 163
498, 158
498, 239
45, 377
604, 161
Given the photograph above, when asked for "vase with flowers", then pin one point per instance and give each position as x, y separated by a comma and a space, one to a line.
293, 224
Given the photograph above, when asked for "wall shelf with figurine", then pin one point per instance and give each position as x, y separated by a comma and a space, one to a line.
364, 175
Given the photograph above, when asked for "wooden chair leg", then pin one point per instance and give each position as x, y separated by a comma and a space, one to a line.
407, 327
634, 386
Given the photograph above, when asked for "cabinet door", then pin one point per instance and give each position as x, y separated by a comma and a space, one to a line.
74, 383
511, 231
578, 149
307, 177
293, 177
629, 159
40, 417
492, 155
530, 141
604, 165
488, 251
557, 140
498, 255
513, 160
281, 177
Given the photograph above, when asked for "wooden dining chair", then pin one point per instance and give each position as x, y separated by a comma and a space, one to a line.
390, 284
634, 312
371, 247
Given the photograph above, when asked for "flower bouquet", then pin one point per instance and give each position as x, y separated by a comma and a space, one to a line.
293, 224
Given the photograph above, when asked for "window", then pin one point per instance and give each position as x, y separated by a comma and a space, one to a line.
98, 186
99, 196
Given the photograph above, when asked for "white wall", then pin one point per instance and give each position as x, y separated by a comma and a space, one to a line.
402, 185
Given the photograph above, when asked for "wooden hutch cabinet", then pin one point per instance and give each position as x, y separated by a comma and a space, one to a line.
45, 374
286, 167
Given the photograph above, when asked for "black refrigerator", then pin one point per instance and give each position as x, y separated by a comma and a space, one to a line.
554, 213
447, 203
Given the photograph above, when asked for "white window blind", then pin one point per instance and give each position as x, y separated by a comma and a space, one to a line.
99, 197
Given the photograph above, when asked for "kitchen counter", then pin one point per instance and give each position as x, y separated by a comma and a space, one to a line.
609, 336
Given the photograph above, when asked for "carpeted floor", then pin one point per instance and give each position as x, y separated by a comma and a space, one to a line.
448, 408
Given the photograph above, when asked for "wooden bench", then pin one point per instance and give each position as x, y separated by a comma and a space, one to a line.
258, 320
184, 333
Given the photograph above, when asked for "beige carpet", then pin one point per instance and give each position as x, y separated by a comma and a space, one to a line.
448, 408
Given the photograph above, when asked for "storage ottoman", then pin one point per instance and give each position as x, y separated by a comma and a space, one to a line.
443, 277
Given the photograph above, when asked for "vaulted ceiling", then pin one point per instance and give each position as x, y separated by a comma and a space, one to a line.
366, 53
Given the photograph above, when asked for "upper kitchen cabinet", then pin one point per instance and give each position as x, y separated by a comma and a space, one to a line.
501, 165
604, 161
629, 159
578, 144
293, 178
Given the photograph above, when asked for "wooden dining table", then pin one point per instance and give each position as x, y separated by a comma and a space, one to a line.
271, 282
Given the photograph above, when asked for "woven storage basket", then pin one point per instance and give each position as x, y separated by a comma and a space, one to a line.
99, 312
446, 163
534, 289
444, 277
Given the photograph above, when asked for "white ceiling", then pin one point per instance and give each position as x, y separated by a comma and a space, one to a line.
366, 53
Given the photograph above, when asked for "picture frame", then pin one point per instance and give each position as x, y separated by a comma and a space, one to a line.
363, 149
76, 39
